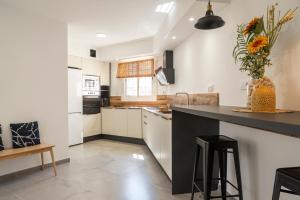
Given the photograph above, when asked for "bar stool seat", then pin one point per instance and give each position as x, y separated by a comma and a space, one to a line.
288, 178
209, 145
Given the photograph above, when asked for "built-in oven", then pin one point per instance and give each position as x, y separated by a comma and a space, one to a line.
91, 105
91, 85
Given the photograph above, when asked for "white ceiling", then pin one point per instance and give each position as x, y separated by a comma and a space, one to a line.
120, 20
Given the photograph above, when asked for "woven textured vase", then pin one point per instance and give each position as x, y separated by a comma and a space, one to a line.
264, 97
250, 88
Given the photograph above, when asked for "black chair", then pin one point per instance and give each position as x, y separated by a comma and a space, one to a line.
288, 178
209, 145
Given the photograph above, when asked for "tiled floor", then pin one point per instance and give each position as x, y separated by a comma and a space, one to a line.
99, 170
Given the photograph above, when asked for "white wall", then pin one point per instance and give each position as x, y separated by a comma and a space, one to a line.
261, 153
33, 81
143, 47
205, 58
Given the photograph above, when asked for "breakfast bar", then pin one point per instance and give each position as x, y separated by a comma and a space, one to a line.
266, 142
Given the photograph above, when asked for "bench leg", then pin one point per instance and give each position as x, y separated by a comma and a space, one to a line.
53, 161
42, 158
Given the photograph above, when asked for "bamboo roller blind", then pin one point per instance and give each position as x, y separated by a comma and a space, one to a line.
141, 68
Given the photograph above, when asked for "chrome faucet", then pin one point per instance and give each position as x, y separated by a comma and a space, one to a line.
187, 95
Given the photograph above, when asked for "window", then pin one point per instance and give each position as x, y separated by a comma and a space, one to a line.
141, 68
138, 87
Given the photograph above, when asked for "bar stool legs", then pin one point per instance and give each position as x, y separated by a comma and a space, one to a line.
223, 172
208, 172
277, 188
209, 146
195, 170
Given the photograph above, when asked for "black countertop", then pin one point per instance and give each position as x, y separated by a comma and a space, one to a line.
283, 123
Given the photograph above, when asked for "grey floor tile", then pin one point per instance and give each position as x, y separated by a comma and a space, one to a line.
99, 170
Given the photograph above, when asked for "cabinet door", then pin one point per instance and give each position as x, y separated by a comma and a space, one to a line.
91, 66
134, 123
91, 125
119, 122
107, 121
166, 146
75, 61
104, 71
156, 137
75, 128
151, 131
145, 122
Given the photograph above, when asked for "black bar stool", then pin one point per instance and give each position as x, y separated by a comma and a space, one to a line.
288, 178
209, 145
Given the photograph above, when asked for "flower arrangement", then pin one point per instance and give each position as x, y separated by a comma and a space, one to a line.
256, 39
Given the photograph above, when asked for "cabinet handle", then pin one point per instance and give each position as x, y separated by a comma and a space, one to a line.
145, 123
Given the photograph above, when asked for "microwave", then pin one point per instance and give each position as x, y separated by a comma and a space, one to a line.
91, 85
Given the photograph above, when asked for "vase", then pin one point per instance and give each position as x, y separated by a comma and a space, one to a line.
250, 87
263, 97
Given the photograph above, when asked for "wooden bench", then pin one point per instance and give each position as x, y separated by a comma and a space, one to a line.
27, 151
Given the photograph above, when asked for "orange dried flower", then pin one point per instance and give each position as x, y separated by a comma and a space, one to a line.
252, 24
257, 44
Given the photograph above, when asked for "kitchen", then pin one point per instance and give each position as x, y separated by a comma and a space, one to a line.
136, 106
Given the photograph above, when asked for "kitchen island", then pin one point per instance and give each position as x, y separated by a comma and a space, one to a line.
266, 141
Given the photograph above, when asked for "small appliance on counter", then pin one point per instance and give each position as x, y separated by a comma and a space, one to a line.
105, 96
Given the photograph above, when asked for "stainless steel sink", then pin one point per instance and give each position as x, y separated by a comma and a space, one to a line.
166, 112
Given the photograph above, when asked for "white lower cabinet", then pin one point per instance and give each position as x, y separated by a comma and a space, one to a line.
119, 122
91, 125
122, 122
166, 146
134, 125
107, 121
157, 133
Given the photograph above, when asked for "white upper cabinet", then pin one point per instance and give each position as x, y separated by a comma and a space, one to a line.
105, 73
91, 66
75, 61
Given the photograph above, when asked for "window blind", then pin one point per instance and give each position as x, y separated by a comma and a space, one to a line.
141, 68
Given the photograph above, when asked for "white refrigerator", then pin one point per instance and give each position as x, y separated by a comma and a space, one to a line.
75, 106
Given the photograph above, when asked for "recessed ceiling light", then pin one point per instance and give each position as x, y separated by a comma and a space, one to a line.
165, 7
174, 38
191, 19
100, 35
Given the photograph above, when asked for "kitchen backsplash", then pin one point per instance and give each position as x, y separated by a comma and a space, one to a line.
164, 100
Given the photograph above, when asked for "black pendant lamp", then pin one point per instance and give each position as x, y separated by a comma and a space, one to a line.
209, 21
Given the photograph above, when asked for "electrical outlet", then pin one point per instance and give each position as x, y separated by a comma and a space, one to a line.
244, 85
211, 88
